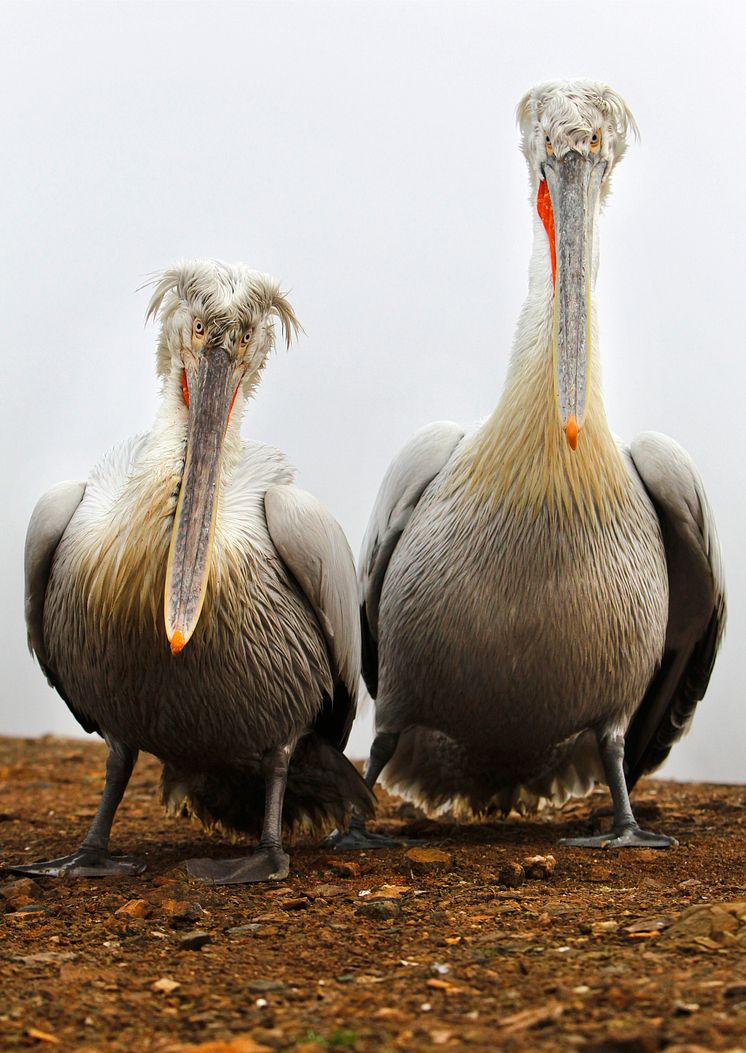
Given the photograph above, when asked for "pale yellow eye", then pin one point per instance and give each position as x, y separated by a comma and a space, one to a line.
246, 338
548, 144
596, 142
198, 327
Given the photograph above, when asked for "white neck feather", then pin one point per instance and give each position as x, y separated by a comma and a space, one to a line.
521, 456
129, 568
167, 440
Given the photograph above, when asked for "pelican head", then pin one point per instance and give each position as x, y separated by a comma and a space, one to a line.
216, 332
574, 133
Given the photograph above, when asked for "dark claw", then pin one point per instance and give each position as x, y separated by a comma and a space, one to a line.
85, 863
266, 864
622, 837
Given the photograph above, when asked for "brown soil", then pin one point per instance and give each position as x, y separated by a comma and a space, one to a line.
620, 952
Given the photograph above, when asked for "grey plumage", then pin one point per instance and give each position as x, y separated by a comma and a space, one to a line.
257, 671
272, 661
526, 603
696, 610
484, 618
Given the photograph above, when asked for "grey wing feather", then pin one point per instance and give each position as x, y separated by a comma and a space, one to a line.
405, 481
49, 521
696, 616
314, 549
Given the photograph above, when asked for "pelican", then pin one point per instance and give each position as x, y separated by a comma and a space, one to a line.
190, 601
541, 605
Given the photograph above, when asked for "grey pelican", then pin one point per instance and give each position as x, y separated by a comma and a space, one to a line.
190, 601
541, 606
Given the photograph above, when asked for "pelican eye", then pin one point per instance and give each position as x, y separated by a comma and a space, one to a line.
247, 336
198, 327
595, 142
548, 144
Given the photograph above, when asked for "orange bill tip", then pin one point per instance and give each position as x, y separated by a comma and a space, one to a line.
571, 431
177, 642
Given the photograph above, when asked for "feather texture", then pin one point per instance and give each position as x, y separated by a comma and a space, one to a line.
533, 597
261, 671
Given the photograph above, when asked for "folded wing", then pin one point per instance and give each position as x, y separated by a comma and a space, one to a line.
49, 521
407, 478
314, 549
696, 615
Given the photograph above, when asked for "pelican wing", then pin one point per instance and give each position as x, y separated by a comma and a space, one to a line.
696, 612
404, 483
48, 523
314, 549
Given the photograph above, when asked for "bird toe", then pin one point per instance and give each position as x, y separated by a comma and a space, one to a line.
263, 865
84, 863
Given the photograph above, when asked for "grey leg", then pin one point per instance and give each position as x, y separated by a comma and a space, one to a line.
357, 836
625, 833
269, 862
381, 752
92, 858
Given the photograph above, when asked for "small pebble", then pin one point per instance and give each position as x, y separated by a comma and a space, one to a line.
326, 891
380, 909
194, 941
424, 860
181, 910
735, 992
274, 1037
22, 887
598, 928
136, 908
263, 986
512, 875
244, 930
539, 868
166, 985
345, 868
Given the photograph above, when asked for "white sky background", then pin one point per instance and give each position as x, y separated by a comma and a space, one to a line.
366, 154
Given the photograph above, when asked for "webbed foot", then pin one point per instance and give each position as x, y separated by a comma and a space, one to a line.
357, 839
85, 863
631, 836
266, 864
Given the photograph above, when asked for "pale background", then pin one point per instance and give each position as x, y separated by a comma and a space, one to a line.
366, 153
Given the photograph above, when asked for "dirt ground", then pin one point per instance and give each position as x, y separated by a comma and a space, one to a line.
403, 949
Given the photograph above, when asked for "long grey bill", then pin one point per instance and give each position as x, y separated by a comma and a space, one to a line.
573, 183
210, 395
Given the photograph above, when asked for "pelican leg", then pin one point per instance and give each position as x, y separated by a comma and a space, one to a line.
269, 862
357, 837
625, 833
92, 859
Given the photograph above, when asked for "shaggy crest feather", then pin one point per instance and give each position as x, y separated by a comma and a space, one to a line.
226, 293
568, 112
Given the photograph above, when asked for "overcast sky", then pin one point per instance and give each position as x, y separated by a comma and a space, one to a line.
366, 154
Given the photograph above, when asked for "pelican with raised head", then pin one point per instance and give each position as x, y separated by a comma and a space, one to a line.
188, 600
541, 606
